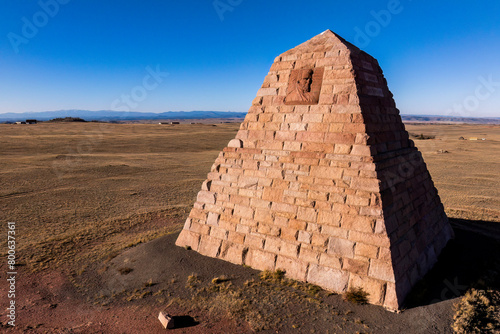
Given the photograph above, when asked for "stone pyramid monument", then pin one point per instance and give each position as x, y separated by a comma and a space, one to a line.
323, 182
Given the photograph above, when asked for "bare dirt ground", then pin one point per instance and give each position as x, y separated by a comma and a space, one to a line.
98, 206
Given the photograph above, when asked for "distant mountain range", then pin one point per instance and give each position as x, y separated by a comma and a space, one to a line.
110, 115
450, 119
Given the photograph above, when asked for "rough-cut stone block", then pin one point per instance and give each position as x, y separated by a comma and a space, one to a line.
307, 214
294, 268
365, 250
373, 91
334, 231
372, 185
213, 219
219, 233
254, 241
358, 201
166, 320
243, 211
342, 148
206, 197
272, 194
283, 207
304, 237
232, 252
341, 247
268, 229
359, 223
379, 240
319, 239
188, 239
391, 300
329, 218
297, 224
332, 261
381, 270
236, 237
328, 278
361, 150
267, 91
309, 255
375, 288
260, 259
235, 143
209, 246
272, 244
290, 249
199, 228
326, 172
289, 234
359, 267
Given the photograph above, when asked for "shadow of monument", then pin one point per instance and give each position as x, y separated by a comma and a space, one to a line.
470, 260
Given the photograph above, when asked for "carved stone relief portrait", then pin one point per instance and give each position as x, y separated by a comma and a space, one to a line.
304, 86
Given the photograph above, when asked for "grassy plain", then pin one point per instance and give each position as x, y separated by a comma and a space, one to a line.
85, 195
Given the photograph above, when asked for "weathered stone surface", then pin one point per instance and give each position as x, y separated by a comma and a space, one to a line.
381, 270
188, 239
322, 181
341, 247
260, 259
166, 320
209, 246
294, 269
375, 288
236, 143
328, 278
232, 252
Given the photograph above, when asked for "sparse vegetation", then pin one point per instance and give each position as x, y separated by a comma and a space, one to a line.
192, 281
67, 119
273, 276
256, 301
220, 279
138, 294
278, 277
91, 190
125, 270
477, 312
356, 296
149, 283
421, 136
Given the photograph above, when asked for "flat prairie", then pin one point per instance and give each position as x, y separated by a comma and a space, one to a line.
97, 207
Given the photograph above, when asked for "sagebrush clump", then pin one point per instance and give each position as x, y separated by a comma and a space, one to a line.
357, 296
477, 312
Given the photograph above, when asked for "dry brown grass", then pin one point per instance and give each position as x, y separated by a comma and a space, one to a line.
81, 194
266, 303
466, 177
82, 191
478, 311
356, 296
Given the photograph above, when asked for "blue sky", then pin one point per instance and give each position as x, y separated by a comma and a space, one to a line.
439, 58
